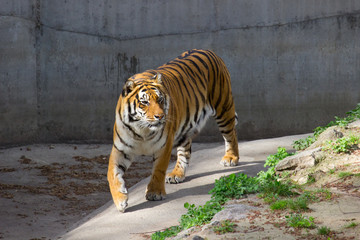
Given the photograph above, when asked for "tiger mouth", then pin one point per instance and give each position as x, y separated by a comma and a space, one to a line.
155, 124
151, 125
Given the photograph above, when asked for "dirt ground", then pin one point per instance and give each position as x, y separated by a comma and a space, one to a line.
45, 189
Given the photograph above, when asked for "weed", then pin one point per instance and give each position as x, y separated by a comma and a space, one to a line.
279, 205
200, 215
324, 193
351, 225
332, 171
269, 198
311, 179
169, 232
344, 174
302, 144
298, 204
225, 227
299, 221
324, 230
271, 162
233, 186
342, 145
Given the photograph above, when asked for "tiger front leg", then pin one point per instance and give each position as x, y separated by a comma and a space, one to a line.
119, 162
155, 190
183, 157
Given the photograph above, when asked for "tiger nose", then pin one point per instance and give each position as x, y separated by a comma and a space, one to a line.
159, 116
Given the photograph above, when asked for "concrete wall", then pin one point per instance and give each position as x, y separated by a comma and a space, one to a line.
294, 64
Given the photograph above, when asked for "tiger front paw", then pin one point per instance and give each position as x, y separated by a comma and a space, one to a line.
120, 201
154, 193
174, 177
229, 161
119, 192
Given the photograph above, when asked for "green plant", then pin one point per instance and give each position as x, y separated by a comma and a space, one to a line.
299, 221
342, 145
324, 230
351, 225
324, 193
269, 198
344, 174
196, 216
298, 204
233, 186
271, 162
302, 144
225, 227
169, 232
279, 205
311, 179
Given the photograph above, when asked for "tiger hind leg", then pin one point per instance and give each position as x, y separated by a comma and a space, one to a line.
226, 124
183, 158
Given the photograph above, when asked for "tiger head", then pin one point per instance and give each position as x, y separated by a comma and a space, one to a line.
145, 104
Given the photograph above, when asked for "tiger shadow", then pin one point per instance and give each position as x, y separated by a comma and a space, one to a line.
244, 167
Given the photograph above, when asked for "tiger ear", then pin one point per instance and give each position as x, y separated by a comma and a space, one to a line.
157, 76
128, 87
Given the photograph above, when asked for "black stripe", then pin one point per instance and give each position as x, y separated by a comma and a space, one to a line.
162, 132
197, 105
122, 167
181, 78
220, 97
226, 123
194, 74
117, 148
224, 110
226, 132
121, 140
186, 120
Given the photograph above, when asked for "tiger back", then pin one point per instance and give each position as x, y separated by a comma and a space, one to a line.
165, 108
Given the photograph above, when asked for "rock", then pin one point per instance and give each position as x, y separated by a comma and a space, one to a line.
233, 212
300, 179
301, 160
355, 124
332, 133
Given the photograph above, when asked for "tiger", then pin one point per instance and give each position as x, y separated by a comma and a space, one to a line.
165, 108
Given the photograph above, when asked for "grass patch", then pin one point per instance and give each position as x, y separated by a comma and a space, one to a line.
200, 215
324, 230
298, 204
344, 174
297, 220
169, 232
351, 225
302, 144
225, 227
342, 145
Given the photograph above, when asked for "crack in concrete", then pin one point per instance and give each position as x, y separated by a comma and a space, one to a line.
220, 29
